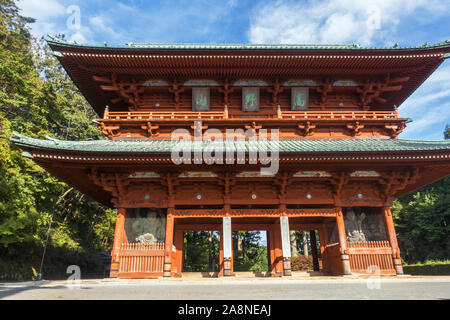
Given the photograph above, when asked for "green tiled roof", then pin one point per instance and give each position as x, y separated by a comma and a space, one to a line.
213, 46
306, 146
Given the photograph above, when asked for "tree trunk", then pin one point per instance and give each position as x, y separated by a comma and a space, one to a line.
305, 244
210, 250
312, 237
293, 239
239, 244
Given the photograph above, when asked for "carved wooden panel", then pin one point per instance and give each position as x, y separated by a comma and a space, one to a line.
145, 195
361, 194
309, 193
254, 193
200, 193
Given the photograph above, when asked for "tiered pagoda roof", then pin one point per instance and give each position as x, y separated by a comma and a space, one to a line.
394, 73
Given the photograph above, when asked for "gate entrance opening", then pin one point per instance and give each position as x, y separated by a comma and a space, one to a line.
250, 251
201, 251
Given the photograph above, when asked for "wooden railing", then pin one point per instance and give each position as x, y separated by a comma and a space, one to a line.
368, 244
161, 115
339, 115
139, 259
284, 115
370, 257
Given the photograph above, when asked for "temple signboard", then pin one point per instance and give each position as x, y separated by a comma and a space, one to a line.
299, 98
200, 99
250, 99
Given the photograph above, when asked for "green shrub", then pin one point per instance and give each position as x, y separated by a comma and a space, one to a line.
22, 262
429, 268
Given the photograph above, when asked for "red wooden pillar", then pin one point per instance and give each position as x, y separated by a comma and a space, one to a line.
168, 243
323, 236
118, 239
343, 242
390, 229
179, 244
221, 266
278, 253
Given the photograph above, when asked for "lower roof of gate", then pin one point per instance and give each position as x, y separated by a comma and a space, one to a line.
306, 146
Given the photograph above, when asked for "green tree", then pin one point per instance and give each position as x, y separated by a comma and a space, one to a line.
38, 99
422, 222
201, 251
253, 256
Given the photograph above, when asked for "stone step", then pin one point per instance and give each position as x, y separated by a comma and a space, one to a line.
200, 275
251, 274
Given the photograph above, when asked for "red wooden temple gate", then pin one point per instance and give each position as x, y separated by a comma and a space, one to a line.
327, 115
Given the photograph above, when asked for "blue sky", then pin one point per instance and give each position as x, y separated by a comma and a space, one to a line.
369, 23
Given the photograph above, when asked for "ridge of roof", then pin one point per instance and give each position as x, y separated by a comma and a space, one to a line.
211, 46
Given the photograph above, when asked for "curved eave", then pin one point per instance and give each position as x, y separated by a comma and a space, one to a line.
289, 149
71, 161
258, 61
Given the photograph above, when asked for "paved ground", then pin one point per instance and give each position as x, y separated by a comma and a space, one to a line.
235, 289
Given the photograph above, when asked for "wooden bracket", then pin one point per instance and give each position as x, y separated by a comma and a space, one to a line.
325, 87
277, 89
109, 130
307, 128
394, 181
227, 89
283, 180
355, 128
253, 126
115, 183
395, 129
371, 90
337, 181
176, 90
151, 130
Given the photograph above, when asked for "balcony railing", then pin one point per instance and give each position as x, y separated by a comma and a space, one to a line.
224, 115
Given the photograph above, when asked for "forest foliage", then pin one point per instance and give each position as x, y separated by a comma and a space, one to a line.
38, 99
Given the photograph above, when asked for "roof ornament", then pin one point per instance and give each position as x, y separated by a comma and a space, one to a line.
105, 43
357, 45
55, 141
18, 135
395, 45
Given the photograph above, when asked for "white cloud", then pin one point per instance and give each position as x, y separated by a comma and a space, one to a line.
337, 21
54, 17
42, 9
45, 12
100, 24
429, 107
369, 23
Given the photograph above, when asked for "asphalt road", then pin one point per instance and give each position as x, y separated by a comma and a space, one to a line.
233, 289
